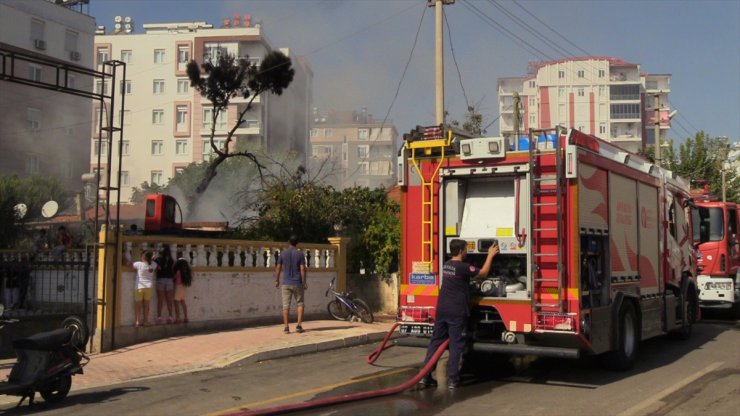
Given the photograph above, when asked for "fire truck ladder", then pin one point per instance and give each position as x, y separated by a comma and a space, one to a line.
427, 189
546, 187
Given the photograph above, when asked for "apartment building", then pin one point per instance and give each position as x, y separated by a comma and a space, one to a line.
42, 131
167, 124
603, 96
348, 148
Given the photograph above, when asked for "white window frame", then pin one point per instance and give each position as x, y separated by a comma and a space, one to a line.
602, 128
158, 86
157, 177
159, 56
363, 134
561, 74
328, 132
363, 151
126, 55
126, 148
183, 54
182, 118
581, 91
102, 54
322, 151
581, 73
157, 148
34, 72
100, 146
33, 116
602, 73
313, 133
363, 167
126, 86
183, 85
532, 84
124, 179
158, 116
181, 147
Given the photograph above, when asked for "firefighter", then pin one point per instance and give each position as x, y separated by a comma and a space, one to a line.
453, 310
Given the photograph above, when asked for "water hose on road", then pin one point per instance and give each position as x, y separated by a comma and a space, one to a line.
355, 396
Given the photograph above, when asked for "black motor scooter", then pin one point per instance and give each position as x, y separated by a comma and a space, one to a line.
46, 363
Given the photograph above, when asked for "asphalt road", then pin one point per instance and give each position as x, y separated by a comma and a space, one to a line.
698, 376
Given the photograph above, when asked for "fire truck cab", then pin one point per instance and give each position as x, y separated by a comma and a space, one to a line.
718, 253
595, 242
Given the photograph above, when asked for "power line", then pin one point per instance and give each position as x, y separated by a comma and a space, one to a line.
454, 59
553, 30
398, 87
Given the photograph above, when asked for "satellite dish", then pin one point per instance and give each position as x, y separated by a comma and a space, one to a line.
20, 210
50, 209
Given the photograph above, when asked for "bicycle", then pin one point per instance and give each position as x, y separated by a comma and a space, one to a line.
344, 306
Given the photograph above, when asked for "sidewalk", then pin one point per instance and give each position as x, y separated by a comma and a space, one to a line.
215, 350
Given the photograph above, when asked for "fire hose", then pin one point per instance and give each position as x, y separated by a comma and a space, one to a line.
355, 396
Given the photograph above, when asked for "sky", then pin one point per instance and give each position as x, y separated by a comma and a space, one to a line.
358, 49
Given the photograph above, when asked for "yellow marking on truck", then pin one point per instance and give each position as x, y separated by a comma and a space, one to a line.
512, 326
551, 293
419, 290
451, 230
504, 232
527, 327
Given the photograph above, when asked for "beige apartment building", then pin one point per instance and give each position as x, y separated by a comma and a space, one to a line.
42, 131
603, 96
348, 148
167, 123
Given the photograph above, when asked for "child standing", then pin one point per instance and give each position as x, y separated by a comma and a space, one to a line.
145, 270
183, 279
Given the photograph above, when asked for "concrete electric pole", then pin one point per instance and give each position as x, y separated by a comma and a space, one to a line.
658, 158
439, 58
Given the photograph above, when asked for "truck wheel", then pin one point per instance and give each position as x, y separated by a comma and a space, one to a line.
687, 314
57, 389
79, 329
625, 353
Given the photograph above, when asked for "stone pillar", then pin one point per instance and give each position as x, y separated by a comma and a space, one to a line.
340, 261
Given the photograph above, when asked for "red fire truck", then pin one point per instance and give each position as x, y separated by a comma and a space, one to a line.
595, 243
718, 252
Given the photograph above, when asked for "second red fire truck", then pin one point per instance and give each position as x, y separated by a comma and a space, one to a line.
595, 243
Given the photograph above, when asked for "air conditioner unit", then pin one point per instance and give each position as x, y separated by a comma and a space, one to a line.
74, 55
39, 44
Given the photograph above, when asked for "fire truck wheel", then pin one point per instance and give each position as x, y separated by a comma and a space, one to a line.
625, 352
688, 315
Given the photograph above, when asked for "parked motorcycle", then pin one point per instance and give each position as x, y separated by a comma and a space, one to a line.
46, 363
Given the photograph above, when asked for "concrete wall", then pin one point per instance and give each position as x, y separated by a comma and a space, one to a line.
223, 295
381, 295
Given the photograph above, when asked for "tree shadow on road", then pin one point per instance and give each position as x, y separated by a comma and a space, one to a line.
74, 399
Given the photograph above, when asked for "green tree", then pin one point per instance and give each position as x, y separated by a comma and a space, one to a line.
701, 158
473, 122
227, 78
138, 195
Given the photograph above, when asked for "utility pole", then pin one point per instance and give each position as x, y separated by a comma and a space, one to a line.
439, 84
658, 158
517, 104
725, 155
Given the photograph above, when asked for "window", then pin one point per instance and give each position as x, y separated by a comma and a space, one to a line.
561, 74
622, 111
602, 91
181, 147
183, 54
532, 119
322, 151
100, 174
37, 29
313, 132
212, 51
124, 178
71, 81
101, 87
159, 56
363, 168
179, 171
126, 86
220, 121
182, 86
158, 116
126, 117
363, 151
102, 55
624, 92
651, 85
327, 132
581, 74
157, 177
182, 118
561, 92
126, 56
531, 84
532, 101
158, 86
32, 163
207, 118
157, 147
602, 128
581, 91
601, 73
363, 134
34, 73
100, 148
34, 119
70, 41
207, 151
125, 148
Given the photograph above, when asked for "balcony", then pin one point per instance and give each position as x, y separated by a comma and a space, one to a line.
249, 127
241, 100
